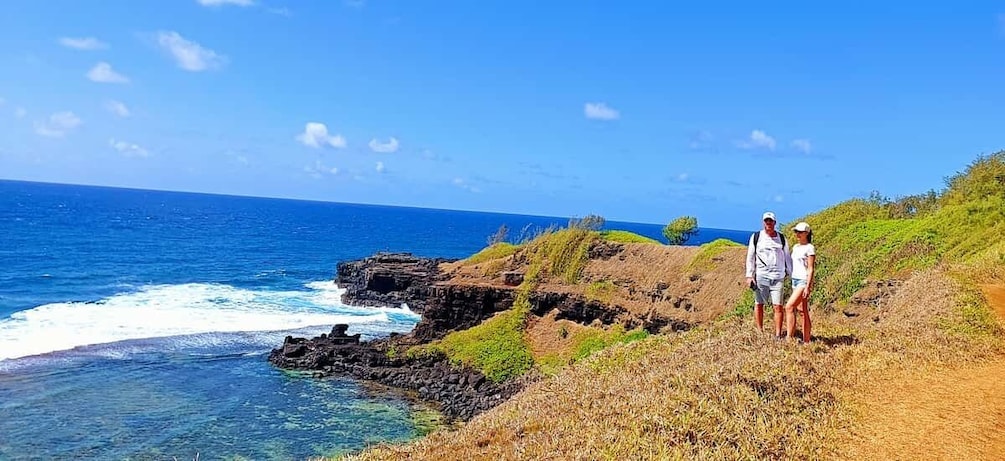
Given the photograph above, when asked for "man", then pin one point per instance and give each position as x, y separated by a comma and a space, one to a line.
768, 262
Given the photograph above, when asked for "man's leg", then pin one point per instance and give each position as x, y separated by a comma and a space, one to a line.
776, 302
761, 297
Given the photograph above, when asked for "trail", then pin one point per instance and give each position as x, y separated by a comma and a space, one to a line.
955, 414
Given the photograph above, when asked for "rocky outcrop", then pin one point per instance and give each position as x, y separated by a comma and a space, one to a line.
389, 279
461, 393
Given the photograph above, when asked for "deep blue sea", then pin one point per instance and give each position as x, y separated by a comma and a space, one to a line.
136, 324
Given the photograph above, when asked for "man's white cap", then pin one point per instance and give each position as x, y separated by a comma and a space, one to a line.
768, 215
801, 227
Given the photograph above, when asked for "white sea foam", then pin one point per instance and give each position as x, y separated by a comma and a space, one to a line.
188, 311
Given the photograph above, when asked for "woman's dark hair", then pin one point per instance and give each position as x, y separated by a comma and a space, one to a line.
809, 237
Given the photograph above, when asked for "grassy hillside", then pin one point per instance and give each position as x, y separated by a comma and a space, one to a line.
960, 229
897, 298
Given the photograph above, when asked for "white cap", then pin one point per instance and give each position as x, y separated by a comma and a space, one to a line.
768, 215
801, 227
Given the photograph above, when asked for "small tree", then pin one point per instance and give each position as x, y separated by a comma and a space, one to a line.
499, 236
681, 229
590, 222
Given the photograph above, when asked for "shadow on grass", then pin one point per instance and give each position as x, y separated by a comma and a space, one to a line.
839, 340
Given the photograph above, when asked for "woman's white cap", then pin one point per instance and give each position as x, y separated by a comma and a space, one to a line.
801, 227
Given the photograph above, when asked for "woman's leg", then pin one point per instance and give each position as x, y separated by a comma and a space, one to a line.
807, 325
790, 316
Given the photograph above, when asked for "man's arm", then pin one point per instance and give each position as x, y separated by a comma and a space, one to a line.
751, 262
788, 258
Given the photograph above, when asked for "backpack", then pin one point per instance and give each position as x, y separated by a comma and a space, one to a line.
757, 236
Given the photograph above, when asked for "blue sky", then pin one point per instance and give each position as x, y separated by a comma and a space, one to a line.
638, 111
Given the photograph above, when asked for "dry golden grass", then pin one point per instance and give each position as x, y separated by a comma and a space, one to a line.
951, 391
725, 391
636, 273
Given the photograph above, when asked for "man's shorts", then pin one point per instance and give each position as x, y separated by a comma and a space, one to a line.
768, 289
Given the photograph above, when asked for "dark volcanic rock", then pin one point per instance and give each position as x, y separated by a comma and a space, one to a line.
461, 393
389, 279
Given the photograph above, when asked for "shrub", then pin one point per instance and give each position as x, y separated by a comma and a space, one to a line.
499, 236
590, 222
678, 231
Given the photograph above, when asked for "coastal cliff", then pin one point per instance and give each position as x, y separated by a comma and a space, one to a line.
453, 297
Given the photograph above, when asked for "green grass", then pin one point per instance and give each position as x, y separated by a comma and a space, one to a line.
962, 227
565, 253
601, 291
594, 341
744, 306
495, 347
585, 343
495, 251
620, 236
704, 259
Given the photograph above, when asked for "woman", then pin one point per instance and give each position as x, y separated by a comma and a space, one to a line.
803, 259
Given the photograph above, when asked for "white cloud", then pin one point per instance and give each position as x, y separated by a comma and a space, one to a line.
226, 2
58, 124
758, 139
83, 43
128, 149
802, 145
102, 72
600, 111
385, 148
318, 170
464, 185
682, 177
700, 140
117, 108
283, 11
187, 54
316, 135
778, 199
20, 112
380, 167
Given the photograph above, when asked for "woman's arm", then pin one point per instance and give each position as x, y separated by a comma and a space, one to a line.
810, 263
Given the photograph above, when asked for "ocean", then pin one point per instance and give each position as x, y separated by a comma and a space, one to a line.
136, 324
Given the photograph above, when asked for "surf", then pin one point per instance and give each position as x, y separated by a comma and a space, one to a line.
196, 315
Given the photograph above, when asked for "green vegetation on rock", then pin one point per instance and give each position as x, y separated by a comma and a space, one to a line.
601, 291
620, 236
868, 239
494, 251
494, 347
705, 258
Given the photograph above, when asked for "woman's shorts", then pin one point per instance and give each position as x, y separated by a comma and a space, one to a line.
796, 283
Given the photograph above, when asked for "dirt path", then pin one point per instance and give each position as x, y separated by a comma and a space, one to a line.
950, 414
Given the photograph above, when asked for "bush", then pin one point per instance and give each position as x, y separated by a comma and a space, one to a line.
681, 229
499, 236
590, 222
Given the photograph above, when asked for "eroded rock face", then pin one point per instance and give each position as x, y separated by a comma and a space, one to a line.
461, 393
389, 279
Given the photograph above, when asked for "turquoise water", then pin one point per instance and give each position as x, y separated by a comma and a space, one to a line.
136, 324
